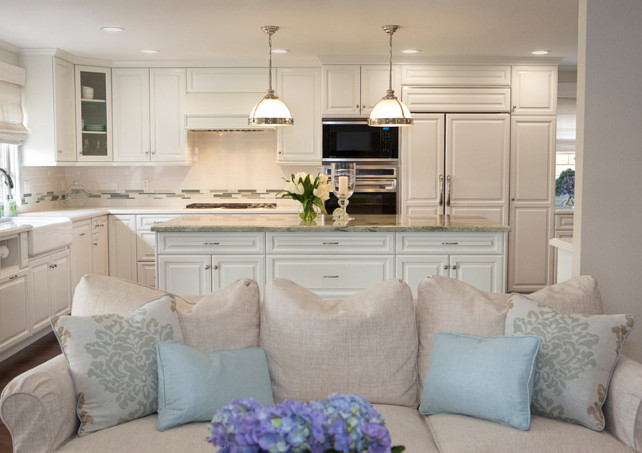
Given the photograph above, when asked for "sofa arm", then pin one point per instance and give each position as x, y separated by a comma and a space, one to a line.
39, 407
623, 407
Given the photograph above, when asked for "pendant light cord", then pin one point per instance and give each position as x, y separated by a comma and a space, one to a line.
270, 50
390, 64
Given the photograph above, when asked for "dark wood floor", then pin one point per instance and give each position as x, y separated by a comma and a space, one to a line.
34, 354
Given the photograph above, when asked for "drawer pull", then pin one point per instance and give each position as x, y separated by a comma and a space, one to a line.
12, 277
330, 276
450, 243
211, 243
82, 234
331, 243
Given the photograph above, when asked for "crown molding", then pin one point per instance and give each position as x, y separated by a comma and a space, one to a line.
416, 59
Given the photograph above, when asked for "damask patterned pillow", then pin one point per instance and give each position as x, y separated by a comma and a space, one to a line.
112, 361
575, 360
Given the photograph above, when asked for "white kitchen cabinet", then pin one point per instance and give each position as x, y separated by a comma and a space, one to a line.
14, 311
532, 202
49, 103
534, 90
81, 251
475, 258
93, 113
49, 288
122, 246
99, 246
146, 247
439, 75
456, 164
149, 105
202, 274
353, 90
147, 273
300, 144
429, 99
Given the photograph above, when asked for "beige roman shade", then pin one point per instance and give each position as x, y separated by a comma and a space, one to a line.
12, 129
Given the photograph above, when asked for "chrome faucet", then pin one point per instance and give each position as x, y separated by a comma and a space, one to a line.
8, 181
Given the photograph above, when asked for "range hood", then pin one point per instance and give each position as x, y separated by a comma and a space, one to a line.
220, 112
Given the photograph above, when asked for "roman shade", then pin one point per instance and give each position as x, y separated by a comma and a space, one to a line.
12, 129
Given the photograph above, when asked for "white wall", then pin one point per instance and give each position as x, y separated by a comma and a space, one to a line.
609, 225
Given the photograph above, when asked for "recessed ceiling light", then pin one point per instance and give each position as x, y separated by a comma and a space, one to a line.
150, 51
112, 28
410, 51
280, 51
540, 52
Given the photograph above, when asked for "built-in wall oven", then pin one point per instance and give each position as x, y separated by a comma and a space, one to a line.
375, 190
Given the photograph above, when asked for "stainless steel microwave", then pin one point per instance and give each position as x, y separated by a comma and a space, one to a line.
353, 140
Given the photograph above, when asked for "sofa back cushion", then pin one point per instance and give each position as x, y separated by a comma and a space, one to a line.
448, 305
365, 344
579, 295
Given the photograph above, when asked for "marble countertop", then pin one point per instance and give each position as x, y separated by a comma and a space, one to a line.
361, 223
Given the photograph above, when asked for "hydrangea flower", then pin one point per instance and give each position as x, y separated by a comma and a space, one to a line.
341, 423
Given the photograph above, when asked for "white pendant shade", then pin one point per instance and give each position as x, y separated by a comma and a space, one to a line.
390, 111
270, 111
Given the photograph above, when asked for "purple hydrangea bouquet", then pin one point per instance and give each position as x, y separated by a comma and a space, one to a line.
341, 423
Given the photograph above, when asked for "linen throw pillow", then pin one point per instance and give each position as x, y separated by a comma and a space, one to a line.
192, 385
364, 344
488, 378
575, 361
112, 361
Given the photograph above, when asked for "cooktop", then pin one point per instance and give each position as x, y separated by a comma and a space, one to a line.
231, 205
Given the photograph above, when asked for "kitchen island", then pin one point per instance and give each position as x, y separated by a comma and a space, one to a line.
198, 253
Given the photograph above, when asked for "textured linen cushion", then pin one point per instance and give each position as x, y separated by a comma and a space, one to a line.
575, 361
365, 344
228, 318
577, 295
112, 360
448, 305
192, 385
489, 378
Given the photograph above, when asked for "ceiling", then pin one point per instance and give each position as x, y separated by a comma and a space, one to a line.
229, 30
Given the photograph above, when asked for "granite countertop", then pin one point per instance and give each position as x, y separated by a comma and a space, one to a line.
361, 223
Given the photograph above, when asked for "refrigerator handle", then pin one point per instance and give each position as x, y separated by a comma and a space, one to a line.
449, 180
441, 190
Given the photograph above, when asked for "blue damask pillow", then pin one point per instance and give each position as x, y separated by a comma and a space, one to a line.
575, 361
488, 378
112, 361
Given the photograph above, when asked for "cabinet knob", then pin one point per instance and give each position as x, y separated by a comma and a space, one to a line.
356, 106
215, 267
96, 244
207, 267
363, 106
147, 153
446, 267
59, 151
51, 266
153, 153
454, 267
12, 277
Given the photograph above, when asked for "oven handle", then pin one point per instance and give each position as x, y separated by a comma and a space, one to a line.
368, 186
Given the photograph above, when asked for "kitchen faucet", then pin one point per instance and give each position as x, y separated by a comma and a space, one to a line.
8, 181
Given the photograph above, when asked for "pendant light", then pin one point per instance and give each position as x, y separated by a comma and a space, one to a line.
270, 111
390, 111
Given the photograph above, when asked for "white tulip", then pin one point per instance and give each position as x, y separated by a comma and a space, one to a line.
299, 189
300, 176
323, 179
321, 193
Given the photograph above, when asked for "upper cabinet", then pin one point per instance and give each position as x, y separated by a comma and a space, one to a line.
300, 144
353, 90
148, 115
534, 90
93, 107
49, 101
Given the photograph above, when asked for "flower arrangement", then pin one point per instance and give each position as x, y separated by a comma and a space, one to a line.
341, 423
310, 192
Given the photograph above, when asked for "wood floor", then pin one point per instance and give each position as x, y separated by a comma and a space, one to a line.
35, 354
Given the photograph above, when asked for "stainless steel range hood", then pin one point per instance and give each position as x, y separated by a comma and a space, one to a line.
220, 112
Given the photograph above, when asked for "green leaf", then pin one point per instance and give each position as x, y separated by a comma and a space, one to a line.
397, 449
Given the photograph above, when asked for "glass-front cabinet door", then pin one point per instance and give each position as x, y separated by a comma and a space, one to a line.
93, 113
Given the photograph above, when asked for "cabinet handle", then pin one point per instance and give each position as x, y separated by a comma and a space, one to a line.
363, 106
211, 243
454, 267
153, 153
207, 267
331, 243
51, 266
330, 276
59, 151
12, 277
147, 153
450, 243
215, 267
446, 266
441, 190
96, 244
83, 234
449, 180
514, 108
356, 106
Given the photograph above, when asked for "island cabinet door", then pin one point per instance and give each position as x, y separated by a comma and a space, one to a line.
229, 268
485, 272
185, 275
413, 269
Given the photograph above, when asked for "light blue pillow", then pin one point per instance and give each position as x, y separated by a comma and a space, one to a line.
488, 378
192, 385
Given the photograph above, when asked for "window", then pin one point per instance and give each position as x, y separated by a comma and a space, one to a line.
565, 153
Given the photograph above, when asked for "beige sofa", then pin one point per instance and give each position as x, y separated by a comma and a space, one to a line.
39, 406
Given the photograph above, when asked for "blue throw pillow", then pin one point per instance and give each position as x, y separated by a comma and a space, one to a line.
488, 378
192, 385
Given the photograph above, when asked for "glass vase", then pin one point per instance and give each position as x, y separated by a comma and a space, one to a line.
307, 213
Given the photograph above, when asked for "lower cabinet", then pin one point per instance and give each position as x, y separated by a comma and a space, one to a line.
14, 311
122, 246
333, 265
99, 246
147, 273
201, 274
49, 290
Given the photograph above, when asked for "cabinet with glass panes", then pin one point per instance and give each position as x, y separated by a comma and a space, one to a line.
93, 107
